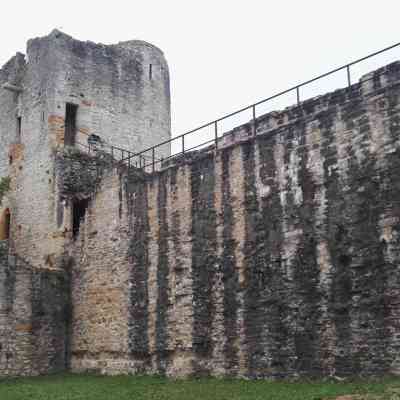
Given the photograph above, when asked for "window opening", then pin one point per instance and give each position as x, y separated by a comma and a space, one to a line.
70, 124
150, 71
19, 129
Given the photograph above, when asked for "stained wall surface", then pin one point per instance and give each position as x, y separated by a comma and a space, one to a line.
274, 256
34, 318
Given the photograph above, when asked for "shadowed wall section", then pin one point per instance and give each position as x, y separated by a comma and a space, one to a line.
34, 317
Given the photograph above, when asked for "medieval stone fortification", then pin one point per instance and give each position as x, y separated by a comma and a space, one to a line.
274, 255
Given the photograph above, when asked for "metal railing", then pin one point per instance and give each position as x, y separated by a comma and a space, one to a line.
117, 154
149, 158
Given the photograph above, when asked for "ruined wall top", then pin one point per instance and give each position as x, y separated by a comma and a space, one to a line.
121, 92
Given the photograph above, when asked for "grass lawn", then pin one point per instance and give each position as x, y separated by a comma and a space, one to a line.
89, 387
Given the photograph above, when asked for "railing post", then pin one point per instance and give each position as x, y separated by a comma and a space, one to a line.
348, 75
183, 144
122, 155
298, 94
216, 134
254, 127
129, 160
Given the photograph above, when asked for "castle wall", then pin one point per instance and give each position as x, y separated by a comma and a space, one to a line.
100, 281
275, 256
34, 318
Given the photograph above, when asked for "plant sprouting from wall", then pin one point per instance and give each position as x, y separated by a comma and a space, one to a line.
4, 187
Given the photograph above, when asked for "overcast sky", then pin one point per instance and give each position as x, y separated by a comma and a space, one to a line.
222, 54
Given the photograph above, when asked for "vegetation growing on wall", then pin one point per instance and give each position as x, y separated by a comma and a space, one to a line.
4, 187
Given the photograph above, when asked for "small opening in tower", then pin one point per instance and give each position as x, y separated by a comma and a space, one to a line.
150, 71
5, 223
19, 129
79, 208
70, 124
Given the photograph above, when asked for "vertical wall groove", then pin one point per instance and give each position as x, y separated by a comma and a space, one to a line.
183, 242
138, 257
203, 258
162, 275
218, 286
307, 270
228, 266
153, 249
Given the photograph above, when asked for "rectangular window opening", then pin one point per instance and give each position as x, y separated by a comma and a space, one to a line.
19, 129
70, 124
79, 208
150, 71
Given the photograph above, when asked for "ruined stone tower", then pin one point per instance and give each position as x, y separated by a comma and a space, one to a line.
61, 93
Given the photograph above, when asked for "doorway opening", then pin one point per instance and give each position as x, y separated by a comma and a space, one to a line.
79, 208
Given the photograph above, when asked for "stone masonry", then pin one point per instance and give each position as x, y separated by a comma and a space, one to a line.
274, 255
35, 315
120, 95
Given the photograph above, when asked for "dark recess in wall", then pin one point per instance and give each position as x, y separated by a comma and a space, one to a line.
79, 208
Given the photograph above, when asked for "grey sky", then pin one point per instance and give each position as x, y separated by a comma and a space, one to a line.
222, 54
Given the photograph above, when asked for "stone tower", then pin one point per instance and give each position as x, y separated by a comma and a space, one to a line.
61, 93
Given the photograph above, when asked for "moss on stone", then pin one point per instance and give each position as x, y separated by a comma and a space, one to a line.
4, 187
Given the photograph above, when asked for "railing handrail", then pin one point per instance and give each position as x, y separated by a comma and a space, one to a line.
251, 106
296, 87
141, 154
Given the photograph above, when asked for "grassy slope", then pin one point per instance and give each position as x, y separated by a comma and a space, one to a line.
74, 387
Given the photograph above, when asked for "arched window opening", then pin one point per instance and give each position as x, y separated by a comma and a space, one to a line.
5, 223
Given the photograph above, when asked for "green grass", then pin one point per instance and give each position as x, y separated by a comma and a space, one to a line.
89, 387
